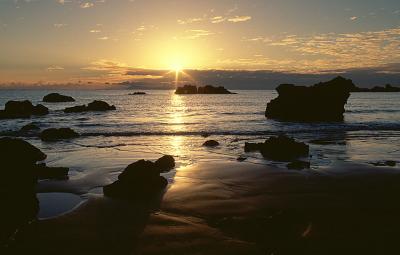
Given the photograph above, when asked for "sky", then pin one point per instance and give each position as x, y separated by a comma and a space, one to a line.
237, 43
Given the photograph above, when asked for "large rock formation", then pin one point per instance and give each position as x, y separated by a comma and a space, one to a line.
54, 134
322, 102
57, 98
208, 89
22, 109
279, 148
93, 106
141, 180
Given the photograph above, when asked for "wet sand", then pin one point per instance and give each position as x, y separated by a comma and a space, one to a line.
226, 207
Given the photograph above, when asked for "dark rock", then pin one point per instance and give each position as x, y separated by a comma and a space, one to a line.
165, 163
280, 148
75, 109
57, 98
390, 163
208, 89
211, 143
205, 135
22, 109
137, 93
17, 185
298, 165
93, 106
140, 180
100, 106
322, 102
241, 159
46, 172
54, 134
29, 127
387, 88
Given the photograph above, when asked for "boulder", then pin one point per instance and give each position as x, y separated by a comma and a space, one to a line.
22, 109
390, 163
165, 163
93, 106
29, 127
57, 98
54, 134
322, 102
17, 185
141, 180
211, 143
279, 148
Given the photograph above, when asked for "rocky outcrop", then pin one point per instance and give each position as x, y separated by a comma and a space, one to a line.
322, 102
298, 165
141, 180
45, 172
22, 109
54, 134
29, 128
95, 106
57, 98
279, 148
208, 89
17, 185
211, 143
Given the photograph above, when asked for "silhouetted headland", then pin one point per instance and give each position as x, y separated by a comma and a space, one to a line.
208, 89
321, 102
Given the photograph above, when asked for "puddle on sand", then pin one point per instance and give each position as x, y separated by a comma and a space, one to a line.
56, 203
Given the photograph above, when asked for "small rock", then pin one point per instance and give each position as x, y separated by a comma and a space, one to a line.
211, 143
241, 159
165, 163
29, 127
75, 109
93, 106
54, 134
137, 93
57, 98
390, 163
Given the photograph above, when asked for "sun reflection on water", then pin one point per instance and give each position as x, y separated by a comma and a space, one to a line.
178, 109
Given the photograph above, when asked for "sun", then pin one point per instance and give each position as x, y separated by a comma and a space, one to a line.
177, 68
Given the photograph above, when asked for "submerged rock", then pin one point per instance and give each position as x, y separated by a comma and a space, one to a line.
298, 165
279, 148
390, 163
208, 89
57, 98
22, 109
141, 180
54, 134
93, 106
29, 127
322, 102
211, 143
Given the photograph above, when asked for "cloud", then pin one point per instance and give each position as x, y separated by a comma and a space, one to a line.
86, 5
353, 18
189, 21
64, 1
217, 19
54, 68
239, 19
60, 25
196, 33
104, 38
95, 31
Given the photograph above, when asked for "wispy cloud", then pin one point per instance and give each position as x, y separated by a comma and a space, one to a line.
95, 31
60, 25
189, 21
239, 19
86, 5
353, 18
54, 68
104, 38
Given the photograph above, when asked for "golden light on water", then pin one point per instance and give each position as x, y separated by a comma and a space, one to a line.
178, 108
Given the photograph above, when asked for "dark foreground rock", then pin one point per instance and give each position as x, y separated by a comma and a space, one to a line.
93, 106
279, 148
45, 172
22, 109
17, 186
57, 98
141, 180
322, 102
298, 165
208, 89
54, 134
211, 143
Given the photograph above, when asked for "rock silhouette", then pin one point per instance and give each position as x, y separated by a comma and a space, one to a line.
211, 143
17, 185
322, 102
141, 180
93, 106
54, 134
387, 88
279, 148
45, 172
29, 127
22, 109
137, 93
57, 98
208, 89
298, 165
